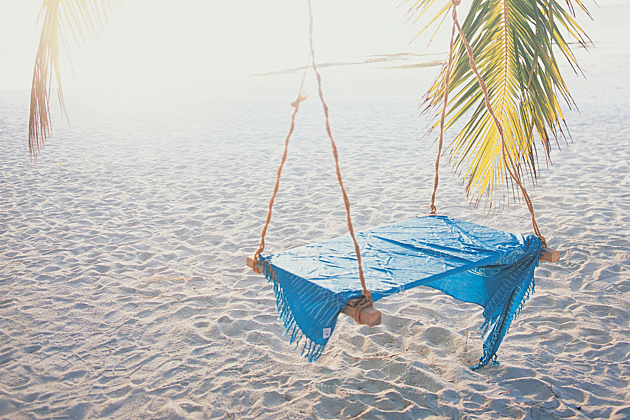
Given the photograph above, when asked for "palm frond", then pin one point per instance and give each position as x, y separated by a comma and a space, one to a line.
514, 44
79, 17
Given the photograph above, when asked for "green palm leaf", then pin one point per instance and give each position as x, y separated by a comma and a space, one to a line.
513, 43
58, 16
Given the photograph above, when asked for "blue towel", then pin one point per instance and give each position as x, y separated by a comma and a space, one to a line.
469, 262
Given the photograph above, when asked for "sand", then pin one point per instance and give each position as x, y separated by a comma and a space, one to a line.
124, 293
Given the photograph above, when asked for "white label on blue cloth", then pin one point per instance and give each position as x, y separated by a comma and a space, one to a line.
326, 332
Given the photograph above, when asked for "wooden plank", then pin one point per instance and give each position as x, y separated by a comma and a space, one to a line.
249, 262
368, 316
549, 255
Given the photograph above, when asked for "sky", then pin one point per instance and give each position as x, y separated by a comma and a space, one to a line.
166, 41
191, 41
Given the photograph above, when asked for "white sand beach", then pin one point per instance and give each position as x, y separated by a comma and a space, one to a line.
124, 292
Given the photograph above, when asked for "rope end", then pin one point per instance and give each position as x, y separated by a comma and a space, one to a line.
300, 98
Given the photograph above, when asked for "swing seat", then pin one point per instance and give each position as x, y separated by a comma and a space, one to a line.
313, 284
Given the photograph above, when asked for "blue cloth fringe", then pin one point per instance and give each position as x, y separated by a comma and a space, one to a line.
472, 263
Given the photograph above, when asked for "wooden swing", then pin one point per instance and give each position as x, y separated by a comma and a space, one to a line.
362, 309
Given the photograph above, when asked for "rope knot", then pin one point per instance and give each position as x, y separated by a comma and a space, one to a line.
365, 302
300, 98
255, 267
456, 2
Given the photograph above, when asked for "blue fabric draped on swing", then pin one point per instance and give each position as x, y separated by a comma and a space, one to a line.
469, 262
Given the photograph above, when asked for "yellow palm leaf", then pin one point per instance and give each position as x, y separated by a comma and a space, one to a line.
513, 44
77, 16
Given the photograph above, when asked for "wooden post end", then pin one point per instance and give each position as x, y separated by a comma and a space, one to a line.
368, 316
549, 255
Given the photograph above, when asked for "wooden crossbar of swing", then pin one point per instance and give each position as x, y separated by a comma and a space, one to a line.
372, 317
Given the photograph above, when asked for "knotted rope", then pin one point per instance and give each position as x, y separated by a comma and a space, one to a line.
366, 298
507, 158
296, 105
442, 117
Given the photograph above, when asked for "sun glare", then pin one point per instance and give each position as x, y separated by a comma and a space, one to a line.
167, 42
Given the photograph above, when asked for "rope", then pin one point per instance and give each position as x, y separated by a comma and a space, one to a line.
442, 117
366, 299
510, 166
296, 104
